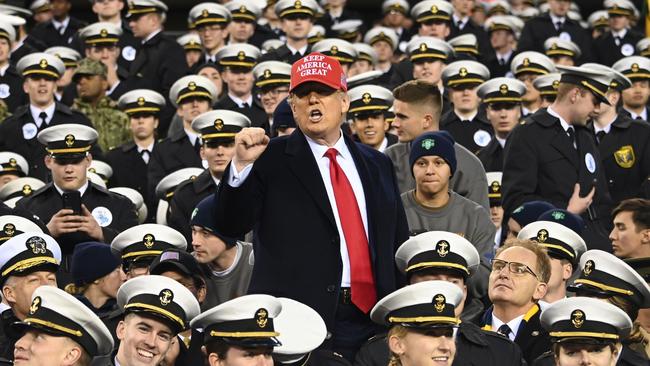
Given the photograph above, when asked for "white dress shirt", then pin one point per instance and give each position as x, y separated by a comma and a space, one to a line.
37, 111
61, 26
81, 190
240, 102
513, 324
564, 123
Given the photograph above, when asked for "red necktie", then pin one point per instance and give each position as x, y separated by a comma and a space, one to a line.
364, 295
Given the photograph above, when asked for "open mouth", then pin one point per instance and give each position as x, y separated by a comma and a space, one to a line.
315, 115
440, 359
145, 354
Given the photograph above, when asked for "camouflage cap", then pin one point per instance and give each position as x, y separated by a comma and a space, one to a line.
90, 67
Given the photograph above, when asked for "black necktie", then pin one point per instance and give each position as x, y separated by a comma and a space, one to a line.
572, 136
639, 118
460, 24
245, 105
502, 61
197, 145
504, 330
43, 117
600, 135
558, 25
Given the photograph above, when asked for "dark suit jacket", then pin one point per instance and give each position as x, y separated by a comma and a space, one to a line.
187, 195
540, 28
12, 138
485, 48
15, 96
496, 69
255, 112
283, 54
51, 37
296, 242
479, 130
606, 51
492, 156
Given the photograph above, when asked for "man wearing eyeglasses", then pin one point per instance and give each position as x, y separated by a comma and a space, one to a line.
272, 79
521, 270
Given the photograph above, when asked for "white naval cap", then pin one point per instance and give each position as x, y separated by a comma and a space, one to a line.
96, 179
575, 318
159, 297
219, 124
598, 19
141, 101
618, 81
421, 49
69, 56
12, 20
501, 90
7, 31
548, 84
101, 168
606, 275
238, 55
101, 33
504, 22
285, 8
461, 73
432, 10
12, 163
385, 34
465, 44
531, 62
146, 240
366, 52
136, 198
494, 187
369, 98
54, 311
595, 81
437, 250
67, 138
272, 44
556, 46
401, 6
368, 77
190, 42
425, 304
348, 29
316, 34
497, 7
193, 87
272, 74
139, 7
19, 188
29, 252
39, 6
339, 49
619, 7
526, 14
16, 11
165, 188
643, 47
12, 225
246, 321
301, 330
636, 68
209, 13
40, 64
244, 10
560, 241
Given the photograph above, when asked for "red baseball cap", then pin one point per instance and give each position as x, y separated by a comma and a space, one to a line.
319, 68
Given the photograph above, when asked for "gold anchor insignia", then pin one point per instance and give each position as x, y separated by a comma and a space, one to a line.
191, 85
440, 302
542, 235
442, 248
69, 140
103, 33
92, 170
526, 62
141, 101
423, 47
495, 186
166, 296
367, 98
261, 317
267, 74
36, 304
27, 190
434, 9
9, 229
193, 177
43, 63
297, 5
554, 46
462, 72
590, 266
503, 89
635, 67
148, 240
205, 13
334, 50
556, 84
241, 55
577, 318
37, 245
218, 124
13, 162
242, 9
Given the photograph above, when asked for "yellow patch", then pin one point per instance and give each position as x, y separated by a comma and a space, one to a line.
625, 156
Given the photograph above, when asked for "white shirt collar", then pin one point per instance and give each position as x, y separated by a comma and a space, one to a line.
150, 36
564, 123
340, 146
606, 128
643, 114
464, 19
148, 148
3, 69
302, 50
191, 136
501, 141
504, 56
35, 111
620, 34
556, 19
513, 324
384, 145
81, 190
240, 102
469, 118
63, 23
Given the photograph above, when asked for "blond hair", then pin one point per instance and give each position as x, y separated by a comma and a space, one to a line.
543, 262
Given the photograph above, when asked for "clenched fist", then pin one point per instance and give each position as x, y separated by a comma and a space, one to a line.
250, 143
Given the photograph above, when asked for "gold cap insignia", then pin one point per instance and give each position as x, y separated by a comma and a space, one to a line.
297, 5
36, 304
267, 74
191, 85
166, 296
103, 33
503, 89
556, 84
261, 317
218, 124
27, 190
442, 248
423, 47
148, 240
43, 63
242, 9
495, 186
439, 302
92, 170
577, 318
241, 55
434, 9
141, 101
36, 244
367, 98
526, 62
542, 235
554, 46
193, 177
69, 140
463, 72
635, 67
590, 266
205, 13
13, 162
334, 50
9, 229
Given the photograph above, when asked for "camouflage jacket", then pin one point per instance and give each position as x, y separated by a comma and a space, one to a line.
111, 124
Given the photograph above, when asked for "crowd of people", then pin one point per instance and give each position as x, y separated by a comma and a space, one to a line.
290, 182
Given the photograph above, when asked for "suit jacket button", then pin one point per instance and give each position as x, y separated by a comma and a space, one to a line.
331, 288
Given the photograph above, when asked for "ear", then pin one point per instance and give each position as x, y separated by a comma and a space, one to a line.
201, 294
540, 291
213, 360
567, 271
120, 331
346, 103
87, 50
8, 294
156, 121
72, 356
202, 153
645, 236
396, 345
427, 122
48, 161
25, 88
179, 112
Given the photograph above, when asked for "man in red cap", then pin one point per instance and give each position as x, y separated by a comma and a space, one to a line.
326, 211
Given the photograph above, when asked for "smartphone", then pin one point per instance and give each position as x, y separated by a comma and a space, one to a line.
72, 201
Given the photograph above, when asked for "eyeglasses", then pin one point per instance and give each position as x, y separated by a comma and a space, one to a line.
515, 268
274, 92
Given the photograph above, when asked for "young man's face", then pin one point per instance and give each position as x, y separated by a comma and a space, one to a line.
107, 9
6, 178
36, 348
143, 126
503, 117
143, 25
60, 8
618, 22
5, 50
429, 71
237, 356
143, 341
409, 121
394, 19
91, 87
359, 67
496, 215
240, 81
241, 31
432, 174
40, 90
628, 240
68, 175
532, 94
434, 28
190, 108
501, 38
272, 96
218, 155
207, 246
370, 128
212, 36
17, 291
463, 7
384, 51
296, 26
563, 60
214, 75
561, 271
559, 8
637, 95
465, 100
107, 54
